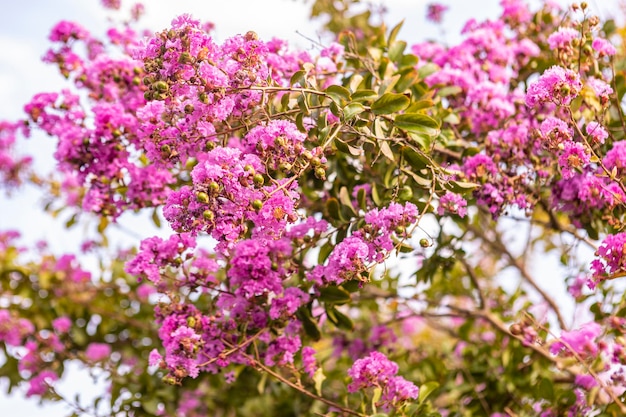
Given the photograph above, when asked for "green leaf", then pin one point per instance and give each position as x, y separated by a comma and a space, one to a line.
449, 91
390, 103
394, 33
319, 378
325, 250
427, 389
386, 150
338, 94
309, 325
396, 50
155, 218
461, 187
420, 105
427, 69
417, 123
334, 295
364, 95
340, 320
388, 84
333, 208
355, 81
352, 110
298, 78
346, 200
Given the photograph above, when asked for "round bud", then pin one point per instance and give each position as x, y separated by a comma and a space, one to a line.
185, 58
315, 161
169, 379
148, 80
258, 180
400, 230
320, 173
279, 141
191, 322
257, 205
147, 95
251, 36
583, 5
189, 108
516, 329
136, 81
204, 98
249, 168
202, 197
161, 86
424, 243
214, 187
208, 215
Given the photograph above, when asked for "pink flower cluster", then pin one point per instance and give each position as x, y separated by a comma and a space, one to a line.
556, 85
376, 370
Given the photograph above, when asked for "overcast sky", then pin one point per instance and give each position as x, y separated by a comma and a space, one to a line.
24, 26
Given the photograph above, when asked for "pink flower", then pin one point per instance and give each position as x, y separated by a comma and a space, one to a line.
38, 385
604, 47
97, 352
562, 38
582, 341
435, 11
62, 324
556, 85
596, 132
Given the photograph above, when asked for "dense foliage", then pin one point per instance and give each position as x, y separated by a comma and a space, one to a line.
352, 232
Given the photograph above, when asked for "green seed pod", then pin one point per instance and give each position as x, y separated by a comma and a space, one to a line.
208, 215
257, 205
424, 243
202, 197
170, 380
161, 86
214, 187
320, 173
258, 180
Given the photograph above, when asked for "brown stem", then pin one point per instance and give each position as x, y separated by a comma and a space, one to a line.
254, 362
514, 262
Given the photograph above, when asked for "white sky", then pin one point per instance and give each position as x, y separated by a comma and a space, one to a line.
24, 27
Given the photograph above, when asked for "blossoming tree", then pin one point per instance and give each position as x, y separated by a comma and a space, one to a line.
340, 228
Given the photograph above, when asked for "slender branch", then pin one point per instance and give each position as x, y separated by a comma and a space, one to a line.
257, 364
472, 275
514, 262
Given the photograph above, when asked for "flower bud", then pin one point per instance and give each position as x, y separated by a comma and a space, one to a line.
258, 180
320, 173
214, 187
161, 86
257, 205
424, 243
516, 329
202, 197
208, 215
